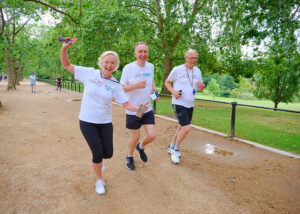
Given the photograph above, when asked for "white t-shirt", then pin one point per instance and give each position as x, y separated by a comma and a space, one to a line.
185, 79
32, 78
133, 73
96, 106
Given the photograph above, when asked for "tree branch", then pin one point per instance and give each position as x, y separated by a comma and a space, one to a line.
149, 20
15, 33
55, 9
3, 21
145, 6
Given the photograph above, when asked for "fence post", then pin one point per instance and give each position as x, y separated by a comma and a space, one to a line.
233, 119
75, 86
79, 87
154, 106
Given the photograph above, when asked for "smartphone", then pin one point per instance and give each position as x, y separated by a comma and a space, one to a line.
64, 40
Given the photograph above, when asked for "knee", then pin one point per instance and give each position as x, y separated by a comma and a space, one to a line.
97, 159
135, 137
186, 129
108, 155
151, 137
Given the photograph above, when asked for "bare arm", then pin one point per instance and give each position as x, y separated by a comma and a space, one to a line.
64, 55
137, 85
129, 106
200, 86
171, 89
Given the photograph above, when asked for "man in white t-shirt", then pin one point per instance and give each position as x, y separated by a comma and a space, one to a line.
187, 79
138, 83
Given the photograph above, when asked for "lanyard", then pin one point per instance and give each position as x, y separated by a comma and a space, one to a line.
108, 79
187, 73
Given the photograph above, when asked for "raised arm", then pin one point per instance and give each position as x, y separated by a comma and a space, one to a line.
64, 55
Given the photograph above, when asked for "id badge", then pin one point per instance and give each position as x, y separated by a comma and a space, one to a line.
194, 91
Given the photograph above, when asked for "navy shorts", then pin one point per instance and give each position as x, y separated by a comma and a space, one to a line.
184, 115
133, 122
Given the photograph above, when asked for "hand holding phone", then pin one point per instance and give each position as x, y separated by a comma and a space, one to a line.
64, 40
154, 96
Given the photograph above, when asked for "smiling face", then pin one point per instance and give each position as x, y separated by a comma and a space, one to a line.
141, 54
191, 59
108, 64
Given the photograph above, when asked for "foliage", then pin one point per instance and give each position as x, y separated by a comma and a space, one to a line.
278, 79
214, 87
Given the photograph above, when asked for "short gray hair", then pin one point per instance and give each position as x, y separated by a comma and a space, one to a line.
100, 59
190, 50
140, 43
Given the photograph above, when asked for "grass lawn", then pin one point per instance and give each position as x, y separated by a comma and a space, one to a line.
265, 103
272, 128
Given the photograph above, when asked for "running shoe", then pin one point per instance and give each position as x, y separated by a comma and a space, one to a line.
130, 163
175, 156
143, 155
170, 150
100, 187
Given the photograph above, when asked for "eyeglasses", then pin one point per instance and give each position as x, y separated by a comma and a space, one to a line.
193, 58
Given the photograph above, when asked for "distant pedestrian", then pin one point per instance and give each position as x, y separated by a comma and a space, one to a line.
58, 81
32, 78
187, 79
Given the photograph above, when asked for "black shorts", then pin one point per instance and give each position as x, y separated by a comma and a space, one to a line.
133, 122
184, 115
99, 138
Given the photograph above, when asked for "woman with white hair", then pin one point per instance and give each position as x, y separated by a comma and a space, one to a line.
95, 117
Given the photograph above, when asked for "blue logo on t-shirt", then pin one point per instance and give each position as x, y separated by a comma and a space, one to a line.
147, 74
108, 88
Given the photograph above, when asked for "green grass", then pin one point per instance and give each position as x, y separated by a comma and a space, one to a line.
272, 128
265, 103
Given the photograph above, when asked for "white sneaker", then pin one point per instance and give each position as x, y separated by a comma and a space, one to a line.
100, 187
170, 150
175, 156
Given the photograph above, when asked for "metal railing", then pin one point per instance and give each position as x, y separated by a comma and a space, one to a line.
233, 110
78, 87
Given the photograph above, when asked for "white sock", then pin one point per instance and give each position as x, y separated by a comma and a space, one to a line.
176, 148
140, 145
172, 145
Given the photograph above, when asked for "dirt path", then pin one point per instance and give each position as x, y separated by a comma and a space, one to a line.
45, 166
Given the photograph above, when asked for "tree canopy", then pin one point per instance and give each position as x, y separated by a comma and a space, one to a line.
217, 29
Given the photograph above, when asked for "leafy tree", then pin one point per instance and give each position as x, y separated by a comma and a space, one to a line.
175, 25
214, 87
12, 12
279, 78
244, 88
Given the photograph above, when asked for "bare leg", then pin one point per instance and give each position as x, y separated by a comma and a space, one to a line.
183, 132
150, 135
176, 133
98, 170
135, 136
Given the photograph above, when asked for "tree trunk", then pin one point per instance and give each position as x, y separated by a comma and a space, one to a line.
1, 106
11, 85
276, 104
168, 65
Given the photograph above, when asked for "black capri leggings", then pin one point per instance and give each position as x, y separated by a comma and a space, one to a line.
99, 138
